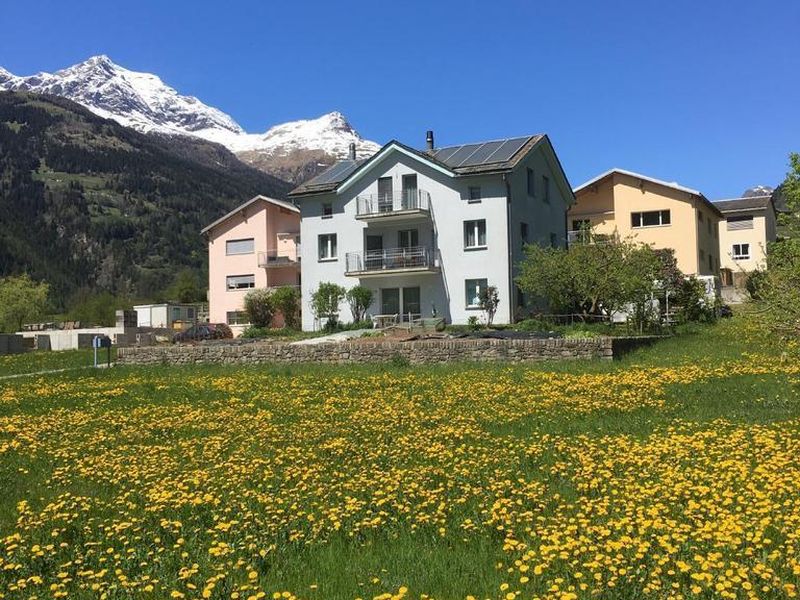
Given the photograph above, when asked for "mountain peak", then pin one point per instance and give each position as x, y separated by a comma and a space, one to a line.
758, 190
144, 102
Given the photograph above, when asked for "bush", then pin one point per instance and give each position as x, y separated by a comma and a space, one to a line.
360, 299
286, 300
259, 306
473, 324
692, 303
755, 283
325, 303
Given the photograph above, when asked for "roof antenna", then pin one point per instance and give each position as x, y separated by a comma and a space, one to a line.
352, 153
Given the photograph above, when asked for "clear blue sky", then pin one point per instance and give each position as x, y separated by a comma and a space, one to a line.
706, 93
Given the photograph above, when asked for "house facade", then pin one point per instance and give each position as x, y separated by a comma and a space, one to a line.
748, 226
256, 245
659, 213
166, 315
427, 231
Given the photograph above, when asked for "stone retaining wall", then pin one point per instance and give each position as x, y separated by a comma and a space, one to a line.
419, 352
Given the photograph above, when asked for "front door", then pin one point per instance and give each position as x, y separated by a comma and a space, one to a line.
409, 192
373, 258
385, 194
411, 304
390, 301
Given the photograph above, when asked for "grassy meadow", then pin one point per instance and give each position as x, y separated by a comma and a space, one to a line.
672, 473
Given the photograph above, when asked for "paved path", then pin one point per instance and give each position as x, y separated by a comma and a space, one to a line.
339, 336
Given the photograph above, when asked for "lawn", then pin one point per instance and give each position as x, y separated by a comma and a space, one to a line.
671, 473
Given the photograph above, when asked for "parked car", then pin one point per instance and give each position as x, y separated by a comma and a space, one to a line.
204, 331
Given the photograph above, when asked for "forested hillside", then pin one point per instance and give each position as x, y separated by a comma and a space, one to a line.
87, 203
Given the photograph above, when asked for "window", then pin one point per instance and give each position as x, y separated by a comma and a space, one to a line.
474, 193
473, 289
475, 234
531, 183
702, 254
327, 246
710, 263
581, 225
699, 216
709, 227
246, 246
741, 222
176, 313
740, 252
240, 282
236, 317
327, 210
546, 188
407, 238
651, 218
553, 240
190, 313
523, 233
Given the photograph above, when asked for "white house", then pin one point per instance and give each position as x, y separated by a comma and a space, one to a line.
428, 230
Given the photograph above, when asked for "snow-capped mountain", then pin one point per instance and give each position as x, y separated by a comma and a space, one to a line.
144, 102
758, 190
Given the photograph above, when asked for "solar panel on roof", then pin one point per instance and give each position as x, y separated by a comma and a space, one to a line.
334, 173
508, 149
461, 154
444, 153
480, 156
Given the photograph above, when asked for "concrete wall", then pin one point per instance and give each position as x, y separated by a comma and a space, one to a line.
449, 209
72, 339
271, 228
11, 344
421, 352
609, 204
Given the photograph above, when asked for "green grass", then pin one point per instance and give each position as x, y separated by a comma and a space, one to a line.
159, 464
36, 361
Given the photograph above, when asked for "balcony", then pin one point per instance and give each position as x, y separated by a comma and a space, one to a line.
279, 258
586, 236
397, 206
376, 263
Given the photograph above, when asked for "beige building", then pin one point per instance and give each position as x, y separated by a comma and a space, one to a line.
655, 212
749, 224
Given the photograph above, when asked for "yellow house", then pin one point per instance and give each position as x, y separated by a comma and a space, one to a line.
655, 212
749, 224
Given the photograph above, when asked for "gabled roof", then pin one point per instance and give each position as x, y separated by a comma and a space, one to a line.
467, 159
742, 204
673, 184
241, 207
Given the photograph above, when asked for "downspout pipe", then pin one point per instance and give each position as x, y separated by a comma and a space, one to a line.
510, 236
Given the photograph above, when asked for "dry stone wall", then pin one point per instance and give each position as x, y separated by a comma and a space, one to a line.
419, 352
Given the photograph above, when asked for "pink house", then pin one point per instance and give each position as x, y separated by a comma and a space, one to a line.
256, 245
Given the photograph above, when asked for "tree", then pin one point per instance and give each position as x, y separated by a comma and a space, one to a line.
789, 191
286, 300
489, 300
360, 299
590, 279
186, 288
325, 302
260, 308
21, 300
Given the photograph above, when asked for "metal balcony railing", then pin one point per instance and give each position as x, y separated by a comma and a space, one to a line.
283, 257
415, 257
371, 205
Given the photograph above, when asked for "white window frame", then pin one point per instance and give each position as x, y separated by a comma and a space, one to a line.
250, 251
331, 247
740, 255
327, 206
472, 291
661, 222
473, 227
243, 314
238, 288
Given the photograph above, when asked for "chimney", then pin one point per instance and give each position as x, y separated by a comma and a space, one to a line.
352, 154
429, 139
